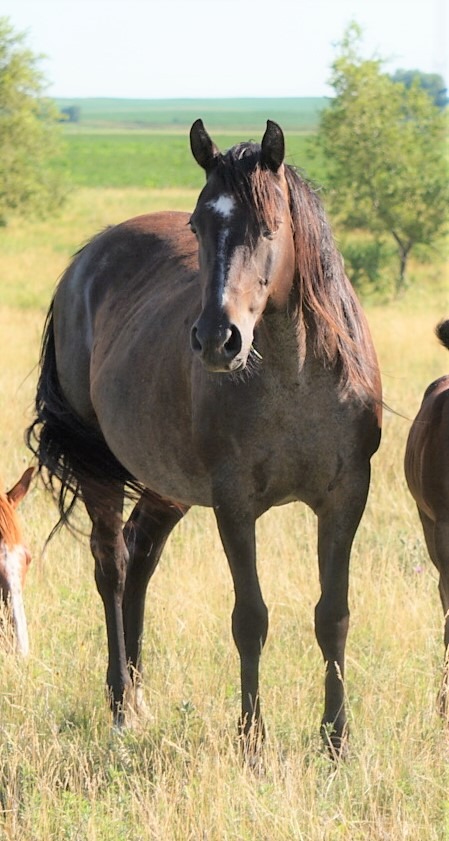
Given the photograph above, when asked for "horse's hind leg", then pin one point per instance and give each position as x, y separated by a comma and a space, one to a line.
436, 535
104, 504
145, 535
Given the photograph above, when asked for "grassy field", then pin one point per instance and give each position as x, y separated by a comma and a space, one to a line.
294, 114
145, 143
177, 776
159, 160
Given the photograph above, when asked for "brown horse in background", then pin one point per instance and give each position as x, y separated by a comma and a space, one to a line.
14, 560
221, 360
427, 472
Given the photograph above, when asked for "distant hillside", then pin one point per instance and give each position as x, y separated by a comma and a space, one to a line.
293, 114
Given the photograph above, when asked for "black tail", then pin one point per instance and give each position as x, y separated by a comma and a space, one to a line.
66, 448
442, 333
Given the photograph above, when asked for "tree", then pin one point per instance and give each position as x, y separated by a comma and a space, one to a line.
71, 114
385, 153
433, 83
29, 134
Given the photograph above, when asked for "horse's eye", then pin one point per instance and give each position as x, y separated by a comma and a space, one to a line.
192, 226
267, 234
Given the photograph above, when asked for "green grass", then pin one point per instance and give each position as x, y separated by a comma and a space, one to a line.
145, 143
295, 114
157, 160
64, 774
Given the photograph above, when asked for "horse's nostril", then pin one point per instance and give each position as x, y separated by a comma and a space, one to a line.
233, 345
217, 345
194, 340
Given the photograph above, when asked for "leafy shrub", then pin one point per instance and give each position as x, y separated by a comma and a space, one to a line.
369, 265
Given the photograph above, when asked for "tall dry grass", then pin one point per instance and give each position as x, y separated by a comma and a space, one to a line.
64, 774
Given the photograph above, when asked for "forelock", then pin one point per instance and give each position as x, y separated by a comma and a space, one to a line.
242, 175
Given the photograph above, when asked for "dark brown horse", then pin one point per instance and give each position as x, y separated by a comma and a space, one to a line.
222, 360
14, 559
427, 472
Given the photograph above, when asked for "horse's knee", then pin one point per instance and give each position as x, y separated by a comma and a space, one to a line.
111, 558
250, 627
331, 629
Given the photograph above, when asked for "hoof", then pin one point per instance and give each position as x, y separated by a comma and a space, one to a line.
251, 741
134, 713
443, 704
335, 741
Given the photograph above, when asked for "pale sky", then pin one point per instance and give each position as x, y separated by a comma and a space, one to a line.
217, 48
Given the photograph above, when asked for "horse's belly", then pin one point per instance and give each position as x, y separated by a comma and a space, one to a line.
175, 479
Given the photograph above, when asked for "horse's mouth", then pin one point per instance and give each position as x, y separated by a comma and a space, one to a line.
238, 365
232, 367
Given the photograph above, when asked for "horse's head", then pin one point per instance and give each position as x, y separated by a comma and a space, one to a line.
14, 559
245, 241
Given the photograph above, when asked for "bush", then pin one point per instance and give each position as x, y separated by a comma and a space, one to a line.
369, 265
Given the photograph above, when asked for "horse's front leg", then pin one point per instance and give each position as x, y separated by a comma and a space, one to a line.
338, 519
249, 617
104, 506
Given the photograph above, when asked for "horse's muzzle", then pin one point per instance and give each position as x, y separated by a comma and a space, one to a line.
219, 349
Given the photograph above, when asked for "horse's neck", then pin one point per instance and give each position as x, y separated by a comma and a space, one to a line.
282, 339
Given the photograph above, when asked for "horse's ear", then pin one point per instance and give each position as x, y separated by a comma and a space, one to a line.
273, 146
203, 148
16, 494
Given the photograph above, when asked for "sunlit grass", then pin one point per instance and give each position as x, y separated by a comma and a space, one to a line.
133, 159
64, 774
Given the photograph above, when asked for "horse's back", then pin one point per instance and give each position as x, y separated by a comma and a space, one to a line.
427, 452
138, 275
141, 257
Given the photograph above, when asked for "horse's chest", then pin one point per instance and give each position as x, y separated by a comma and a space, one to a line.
294, 462
280, 446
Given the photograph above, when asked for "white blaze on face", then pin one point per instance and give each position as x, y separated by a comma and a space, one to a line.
12, 569
223, 206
